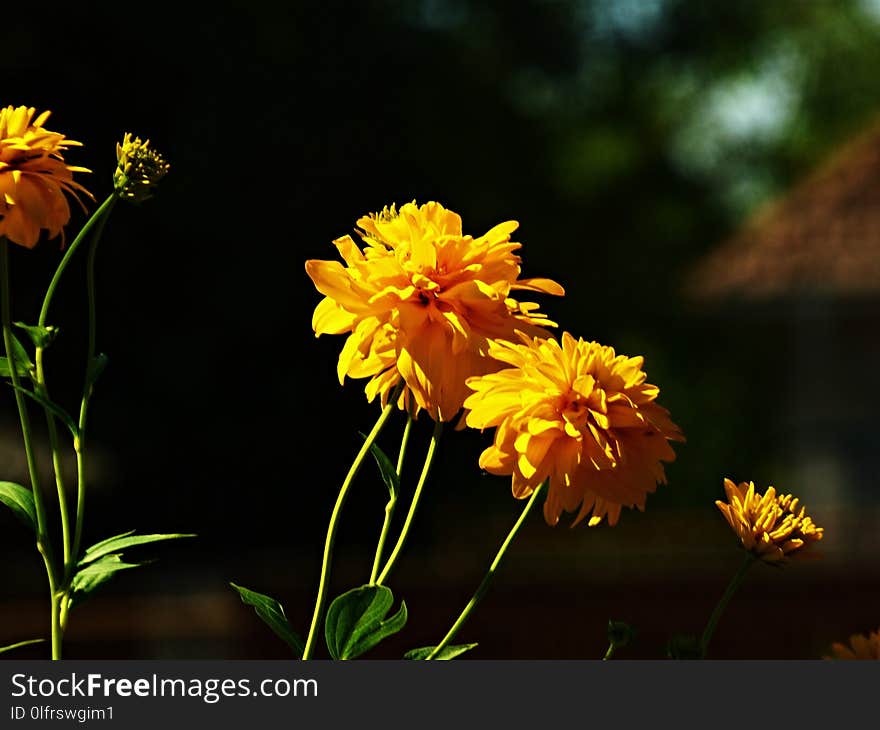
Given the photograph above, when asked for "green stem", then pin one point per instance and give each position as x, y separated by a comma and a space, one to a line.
610, 652
725, 599
57, 628
60, 599
18, 645
104, 208
334, 524
487, 579
407, 524
42, 389
87, 390
43, 545
392, 502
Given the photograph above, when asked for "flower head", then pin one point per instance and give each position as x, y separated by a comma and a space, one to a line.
770, 526
860, 647
421, 302
139, 168
34, 177
579, 415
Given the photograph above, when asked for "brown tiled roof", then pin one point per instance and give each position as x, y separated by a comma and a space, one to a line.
822, 237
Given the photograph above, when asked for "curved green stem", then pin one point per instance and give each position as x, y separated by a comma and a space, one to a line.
725, 599
334, 524
87, 390
407, 524
19, 644
610, 652
102, 210
392, 502
60, 598
43, 545
487, 579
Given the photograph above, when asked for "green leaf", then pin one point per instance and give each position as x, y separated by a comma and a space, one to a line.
101, 544
20, 354
272, 614
388, 470
21, 501
103, 560
95, 368
23, 370
21, 357
40, 336
93, 576
121, 542
447, 652
20, 644
356, 621
53, 408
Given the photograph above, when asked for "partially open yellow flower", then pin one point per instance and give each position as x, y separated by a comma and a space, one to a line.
578, 414
768, 525
34, 177
860, 647
422, 301
139, 169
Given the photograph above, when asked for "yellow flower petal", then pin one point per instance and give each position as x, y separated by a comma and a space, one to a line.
331, 319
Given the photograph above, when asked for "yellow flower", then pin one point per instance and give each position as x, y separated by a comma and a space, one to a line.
860, 647
34, 177
769, 526
422, 301
579, 415
138, 169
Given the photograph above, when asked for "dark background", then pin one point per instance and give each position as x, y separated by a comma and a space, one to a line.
628, 138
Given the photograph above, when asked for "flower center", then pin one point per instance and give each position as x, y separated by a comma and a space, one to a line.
426, 289
575, 410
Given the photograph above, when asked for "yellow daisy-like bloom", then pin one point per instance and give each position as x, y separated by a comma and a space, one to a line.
34, 177
770, 526
578, 414
421, 302
860, 647
139, 169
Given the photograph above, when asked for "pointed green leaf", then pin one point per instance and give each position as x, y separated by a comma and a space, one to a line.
95, 368
20, 355
21, 501
53, 408
102, 543
121, 542
40, 336
23, 371
272, 614
387, 469
103, 560
446, 653
88, 579
20, 644
112, 562
356, 621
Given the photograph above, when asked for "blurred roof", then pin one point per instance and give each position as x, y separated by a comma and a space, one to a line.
822, 237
